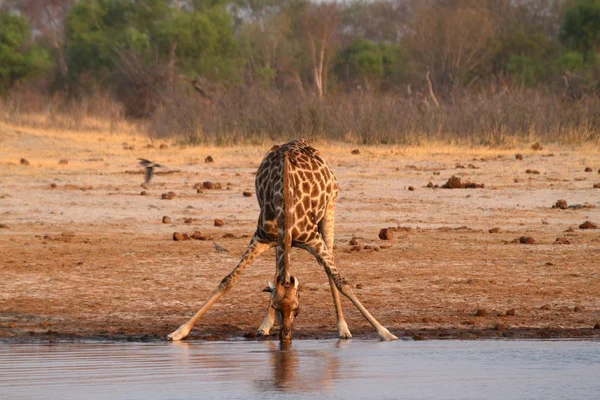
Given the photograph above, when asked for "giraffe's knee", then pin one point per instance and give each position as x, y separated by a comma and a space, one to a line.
342, 284
227, 283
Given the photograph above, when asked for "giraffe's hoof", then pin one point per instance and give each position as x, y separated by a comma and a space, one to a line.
386, 336
344, 332
178, 334
262, 332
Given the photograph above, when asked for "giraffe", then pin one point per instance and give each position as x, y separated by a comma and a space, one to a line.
296, 193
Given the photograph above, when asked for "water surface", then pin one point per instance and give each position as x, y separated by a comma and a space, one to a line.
308, 369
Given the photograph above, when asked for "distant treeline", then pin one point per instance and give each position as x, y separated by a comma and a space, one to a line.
372, 71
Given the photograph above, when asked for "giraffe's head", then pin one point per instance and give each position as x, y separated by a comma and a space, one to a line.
286, 302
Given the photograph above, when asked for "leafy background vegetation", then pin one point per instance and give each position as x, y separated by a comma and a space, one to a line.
383, 71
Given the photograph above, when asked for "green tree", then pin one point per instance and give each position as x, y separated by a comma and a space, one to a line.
580, 29
19, 58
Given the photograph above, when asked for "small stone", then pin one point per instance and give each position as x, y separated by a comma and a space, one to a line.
177, 236
570, 229
353, 242
411, 188
187, 220
53, 185
24, 161
588, 169
4, 226
597, 326
596, 186
143, 193
208, 185
519, 157
545, 307
532, 171
562, 240
218, 222
536, 146
209, 160
562, 204
494, 230
198, 236
63, 161
247, 193
167, 196
355, 151
386, 234
510, 313
359, 285
166, 220
526, 240
430, 185
163, 146
588, 225
199, 190
482, 312
499, 326
578, 308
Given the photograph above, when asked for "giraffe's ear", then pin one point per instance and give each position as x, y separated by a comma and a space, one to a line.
270, 287
295, 281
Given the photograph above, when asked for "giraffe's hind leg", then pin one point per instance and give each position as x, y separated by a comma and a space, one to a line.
326, 228
319, 249
255, 248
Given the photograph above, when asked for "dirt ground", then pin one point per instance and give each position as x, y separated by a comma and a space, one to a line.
83, 254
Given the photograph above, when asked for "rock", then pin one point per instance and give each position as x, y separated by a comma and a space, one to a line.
519, 157
63, 161
570, 229
219, 222
562, 204
209, 160
596, 186
536, 146
494, 230
562, 240
386, 234
597, 326
143, 193
4, 226
588, 225
532, 171
411, 188
430, 185
459, 166
355, 151
545, 307
198, 236
578, 308
247, 193
53, 185
455, 183
166, 220
510, 313
482, 312
177, 236
526, 240
168, 196
208, 185
199, 190
499, 326
187, 220
353, 242
163, 146
24, 161
588, 169
359, 285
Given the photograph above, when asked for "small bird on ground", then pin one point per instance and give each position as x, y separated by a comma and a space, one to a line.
220, 249
149, 165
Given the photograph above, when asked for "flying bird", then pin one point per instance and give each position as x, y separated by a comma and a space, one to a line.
149, 165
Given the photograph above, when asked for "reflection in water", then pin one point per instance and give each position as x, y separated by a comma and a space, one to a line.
304, 369
290, 374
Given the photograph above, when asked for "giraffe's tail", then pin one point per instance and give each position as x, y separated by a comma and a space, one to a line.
285, 234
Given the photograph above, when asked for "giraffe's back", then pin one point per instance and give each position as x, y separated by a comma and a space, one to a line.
313, 183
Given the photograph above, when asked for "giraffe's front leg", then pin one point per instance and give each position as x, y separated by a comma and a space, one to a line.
265, 328
254, 249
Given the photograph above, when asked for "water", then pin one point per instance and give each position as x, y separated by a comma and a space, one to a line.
308, 369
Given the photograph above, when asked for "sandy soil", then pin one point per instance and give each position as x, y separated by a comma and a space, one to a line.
83, 254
